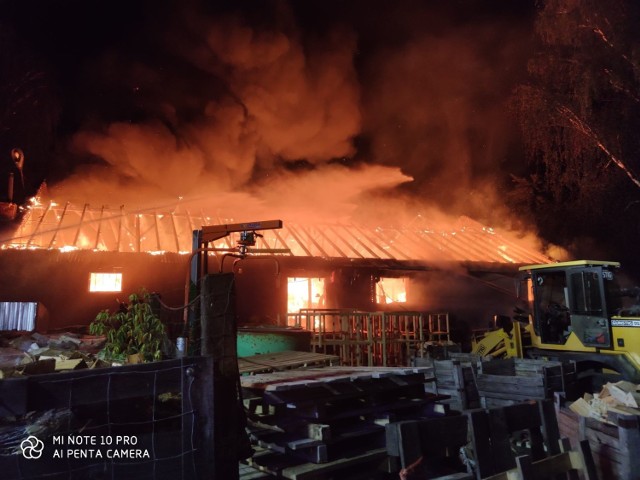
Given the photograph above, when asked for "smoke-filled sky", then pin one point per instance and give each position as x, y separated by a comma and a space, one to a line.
290, 109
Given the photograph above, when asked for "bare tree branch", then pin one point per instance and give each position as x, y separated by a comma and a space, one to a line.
585, 129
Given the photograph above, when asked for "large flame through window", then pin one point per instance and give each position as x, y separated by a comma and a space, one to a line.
305, 293
391, 290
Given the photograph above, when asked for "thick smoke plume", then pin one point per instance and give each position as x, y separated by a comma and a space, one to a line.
282, 104
438, 103
257, 116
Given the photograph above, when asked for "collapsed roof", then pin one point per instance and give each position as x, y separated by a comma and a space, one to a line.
72, 227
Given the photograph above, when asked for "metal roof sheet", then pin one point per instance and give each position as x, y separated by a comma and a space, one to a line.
73, 227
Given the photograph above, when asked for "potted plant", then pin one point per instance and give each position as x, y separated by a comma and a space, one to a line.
133, 333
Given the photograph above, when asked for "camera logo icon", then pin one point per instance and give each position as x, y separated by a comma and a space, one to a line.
32, 448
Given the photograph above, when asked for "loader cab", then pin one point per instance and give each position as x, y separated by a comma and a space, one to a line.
571, 298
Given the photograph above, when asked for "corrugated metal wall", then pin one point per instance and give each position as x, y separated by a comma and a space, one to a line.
18, 316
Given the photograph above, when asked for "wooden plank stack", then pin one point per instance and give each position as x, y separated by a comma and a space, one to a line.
528, 428
505, 382
331, 418
455, 378
432, 448
278, 361
614, 442
245, 472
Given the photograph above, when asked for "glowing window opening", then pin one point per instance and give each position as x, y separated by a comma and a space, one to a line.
305, 293
391, 290
105, 282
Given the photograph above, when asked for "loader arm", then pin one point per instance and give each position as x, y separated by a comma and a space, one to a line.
499, 343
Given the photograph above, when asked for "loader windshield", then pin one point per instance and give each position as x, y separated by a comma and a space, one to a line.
587, 299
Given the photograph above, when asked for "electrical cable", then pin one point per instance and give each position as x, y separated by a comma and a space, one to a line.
175, 309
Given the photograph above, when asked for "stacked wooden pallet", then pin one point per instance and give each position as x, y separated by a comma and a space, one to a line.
332, 418
505, 382
367, 338
615, 443
481, 443
278, 361
246, 472
455, 378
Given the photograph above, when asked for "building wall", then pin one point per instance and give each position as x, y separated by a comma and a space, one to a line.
60, 282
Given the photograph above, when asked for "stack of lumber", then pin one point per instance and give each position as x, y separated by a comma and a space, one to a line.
245, 472
611, 428
505, 382
318, 420
278, 361
455, 378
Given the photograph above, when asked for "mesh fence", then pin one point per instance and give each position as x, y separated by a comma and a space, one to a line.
135, 421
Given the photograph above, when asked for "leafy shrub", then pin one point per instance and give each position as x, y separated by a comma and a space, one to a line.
133, 329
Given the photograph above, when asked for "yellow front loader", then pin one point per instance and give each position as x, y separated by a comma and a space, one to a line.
572, 311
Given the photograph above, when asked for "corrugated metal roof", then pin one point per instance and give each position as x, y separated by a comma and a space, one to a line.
70, 227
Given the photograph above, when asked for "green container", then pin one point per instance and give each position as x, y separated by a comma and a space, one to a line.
261, 340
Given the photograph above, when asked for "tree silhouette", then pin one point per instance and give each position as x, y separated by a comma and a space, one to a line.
28, 110
580, 114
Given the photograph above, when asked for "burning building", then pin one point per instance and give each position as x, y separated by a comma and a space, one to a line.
73, 261
263, 108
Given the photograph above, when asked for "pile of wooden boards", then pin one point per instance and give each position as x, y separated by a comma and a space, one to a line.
456, 379
286, 360
614, 440
621, 397
482, 443
472, 381
33, 354
505, 382
330, 419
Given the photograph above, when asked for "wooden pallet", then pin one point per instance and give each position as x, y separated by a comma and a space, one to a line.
455, 378
332, 376
247, 472
615, 446
365, 465
320, 415
430, 448
506, 382
273, 362
493, 432
338, 392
